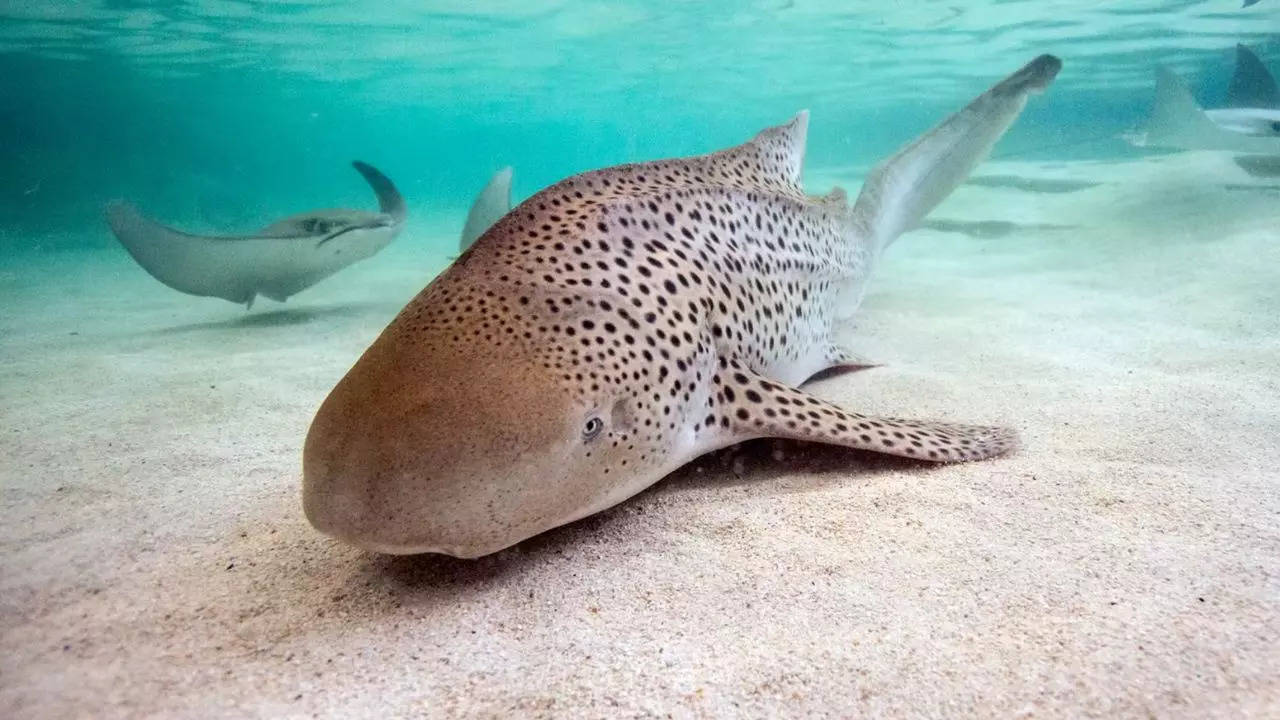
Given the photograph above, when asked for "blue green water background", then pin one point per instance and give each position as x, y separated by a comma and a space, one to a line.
224, 114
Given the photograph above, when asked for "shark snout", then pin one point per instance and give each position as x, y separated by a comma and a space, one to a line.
347, 517
392, 474
353, 488
336, 497
456, 453
394, 517
364, 510
332, 512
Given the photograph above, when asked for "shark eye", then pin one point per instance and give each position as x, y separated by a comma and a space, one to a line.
1275, 126
591, 430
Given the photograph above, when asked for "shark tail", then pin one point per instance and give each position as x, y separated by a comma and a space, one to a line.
903, 189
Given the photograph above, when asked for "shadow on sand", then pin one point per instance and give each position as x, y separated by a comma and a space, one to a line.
758, 463
1259, 166
285, 317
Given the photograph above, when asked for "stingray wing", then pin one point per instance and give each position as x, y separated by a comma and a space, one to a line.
197, 265
1177, 121
1252, 85
233, 268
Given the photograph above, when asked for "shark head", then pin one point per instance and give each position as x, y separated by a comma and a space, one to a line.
442, 440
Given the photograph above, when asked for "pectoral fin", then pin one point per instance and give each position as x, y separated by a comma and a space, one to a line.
751, 406
840, 361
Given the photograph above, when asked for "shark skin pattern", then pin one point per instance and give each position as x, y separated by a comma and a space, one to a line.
622, 322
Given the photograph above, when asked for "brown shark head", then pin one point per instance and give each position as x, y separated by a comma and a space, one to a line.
456, 434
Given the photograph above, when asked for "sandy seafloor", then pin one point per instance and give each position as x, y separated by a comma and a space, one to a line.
1124, 563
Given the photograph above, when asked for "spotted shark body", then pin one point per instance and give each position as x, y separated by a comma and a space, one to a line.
622, 322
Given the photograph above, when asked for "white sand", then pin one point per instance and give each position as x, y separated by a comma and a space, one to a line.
1125, 563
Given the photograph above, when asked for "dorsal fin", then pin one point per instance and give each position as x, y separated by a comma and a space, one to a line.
490, 205
1252, 85
772, 160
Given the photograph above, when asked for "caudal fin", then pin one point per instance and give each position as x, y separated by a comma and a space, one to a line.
901, 191
490, 205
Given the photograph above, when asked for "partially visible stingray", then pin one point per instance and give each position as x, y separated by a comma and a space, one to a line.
1176, 121
279, 260
490, 205
1259, 166
1251, 85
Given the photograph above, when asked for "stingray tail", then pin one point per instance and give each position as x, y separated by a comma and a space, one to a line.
390, 201
902, 190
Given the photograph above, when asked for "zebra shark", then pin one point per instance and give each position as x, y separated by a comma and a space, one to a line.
622, 322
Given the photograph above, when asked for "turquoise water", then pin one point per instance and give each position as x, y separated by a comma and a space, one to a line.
1116, 305
221, 115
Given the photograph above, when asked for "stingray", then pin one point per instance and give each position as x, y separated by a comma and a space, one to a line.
1249, 122
278, 261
